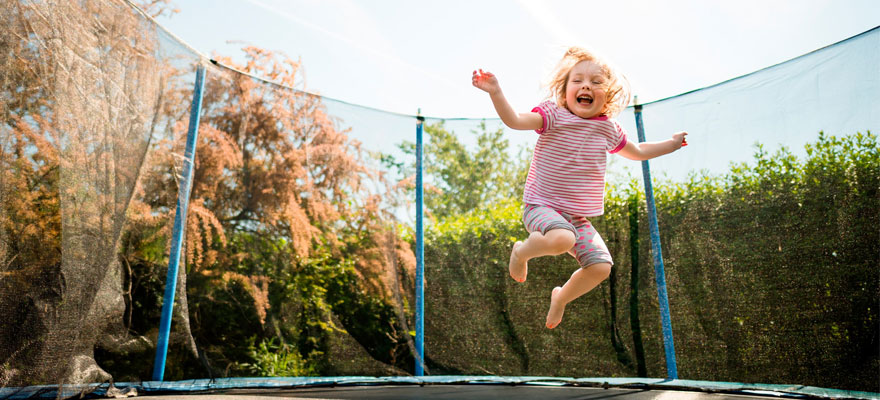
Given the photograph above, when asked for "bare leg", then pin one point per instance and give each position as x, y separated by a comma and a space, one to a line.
556, 241
582, 281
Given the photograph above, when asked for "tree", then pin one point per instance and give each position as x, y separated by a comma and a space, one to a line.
283, 228
459, 180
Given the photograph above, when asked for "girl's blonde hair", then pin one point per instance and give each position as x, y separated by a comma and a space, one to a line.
617, 89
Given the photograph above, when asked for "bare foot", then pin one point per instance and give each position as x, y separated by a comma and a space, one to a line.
554, 316
518, 269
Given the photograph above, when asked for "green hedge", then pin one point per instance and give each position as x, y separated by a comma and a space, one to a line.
772, 272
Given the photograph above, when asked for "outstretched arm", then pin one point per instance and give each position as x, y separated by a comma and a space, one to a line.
649, 150
487, 82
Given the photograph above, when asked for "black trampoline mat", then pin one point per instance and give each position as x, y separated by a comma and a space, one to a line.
470, 391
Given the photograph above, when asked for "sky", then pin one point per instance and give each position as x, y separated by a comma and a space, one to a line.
406, 56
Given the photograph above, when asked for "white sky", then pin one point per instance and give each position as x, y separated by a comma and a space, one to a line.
405, 55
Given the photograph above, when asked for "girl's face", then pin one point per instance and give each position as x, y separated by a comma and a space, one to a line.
585, 90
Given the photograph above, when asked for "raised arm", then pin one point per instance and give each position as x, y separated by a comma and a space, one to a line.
649, 150
487, 82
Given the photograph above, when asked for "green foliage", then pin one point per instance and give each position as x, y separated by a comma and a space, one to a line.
369, 319
788, 244
272, 359
498, 221
468, 319
459, 180
304, 296
771, 271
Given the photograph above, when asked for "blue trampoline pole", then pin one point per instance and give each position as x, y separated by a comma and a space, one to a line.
179, 224
420, 254
659, 273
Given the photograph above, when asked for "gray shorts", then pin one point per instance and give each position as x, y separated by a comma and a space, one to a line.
589, 246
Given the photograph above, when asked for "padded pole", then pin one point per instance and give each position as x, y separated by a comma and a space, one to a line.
420, 254
659, 273
179, 224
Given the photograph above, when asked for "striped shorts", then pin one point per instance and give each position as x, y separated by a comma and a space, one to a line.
589, 246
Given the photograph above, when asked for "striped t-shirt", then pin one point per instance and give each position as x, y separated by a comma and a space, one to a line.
568, 168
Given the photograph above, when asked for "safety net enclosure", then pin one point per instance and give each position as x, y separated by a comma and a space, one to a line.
297, 262
89, 94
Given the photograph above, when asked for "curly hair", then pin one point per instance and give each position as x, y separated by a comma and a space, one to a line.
617, 88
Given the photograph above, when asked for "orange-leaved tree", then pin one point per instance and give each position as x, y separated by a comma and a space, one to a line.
285, 241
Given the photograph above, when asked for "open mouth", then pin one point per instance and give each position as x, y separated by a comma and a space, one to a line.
585, 99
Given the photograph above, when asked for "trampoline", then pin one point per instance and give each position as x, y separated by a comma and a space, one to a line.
179, 226
447, 387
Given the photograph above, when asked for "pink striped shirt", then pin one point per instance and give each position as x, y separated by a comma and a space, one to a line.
568, 168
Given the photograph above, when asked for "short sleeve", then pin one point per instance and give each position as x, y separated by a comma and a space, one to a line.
548, 110
617, 138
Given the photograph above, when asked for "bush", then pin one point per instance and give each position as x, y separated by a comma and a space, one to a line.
771, 271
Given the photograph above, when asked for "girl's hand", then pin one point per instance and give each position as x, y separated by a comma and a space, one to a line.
679, 140
485, 81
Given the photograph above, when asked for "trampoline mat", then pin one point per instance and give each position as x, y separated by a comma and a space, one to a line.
469, 391
433, 387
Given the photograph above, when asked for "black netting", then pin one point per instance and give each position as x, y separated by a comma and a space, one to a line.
771, 272
84, 95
